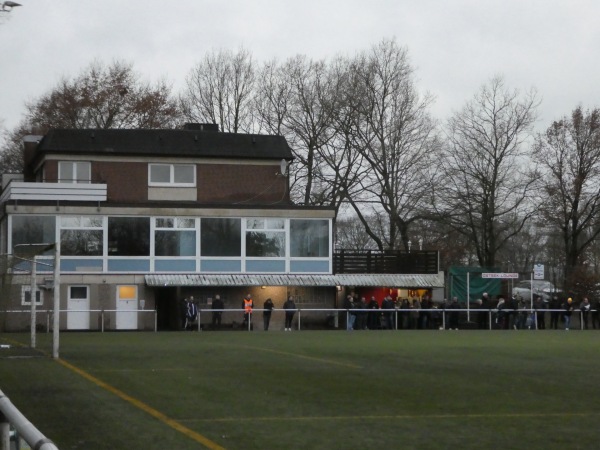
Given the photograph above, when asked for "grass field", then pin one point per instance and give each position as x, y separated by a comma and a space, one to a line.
311, 390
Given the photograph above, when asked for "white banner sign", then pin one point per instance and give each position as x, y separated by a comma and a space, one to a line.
499, 275
538, 272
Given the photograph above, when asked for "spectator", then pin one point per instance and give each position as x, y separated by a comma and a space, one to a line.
267, 310
501, 313
191, 313
290, 308
567, 311
554, 312
540, 313
585, 308
349, 306
217, 307
483, 317
248, 305
453, 315
361, 314
373, 321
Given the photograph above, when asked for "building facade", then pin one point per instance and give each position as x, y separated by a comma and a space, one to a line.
145, 218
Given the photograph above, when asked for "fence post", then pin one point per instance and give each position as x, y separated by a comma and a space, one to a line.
155, 321
490, 319
199, 320
4, 433
396, 320
102, 320
299, 319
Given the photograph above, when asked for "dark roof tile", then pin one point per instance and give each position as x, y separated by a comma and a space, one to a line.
186, 143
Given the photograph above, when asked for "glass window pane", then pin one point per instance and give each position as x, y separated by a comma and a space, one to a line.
221, 237
33, 230
78, 292
83, 172
183, 174
165, 223
129, 236
175, 243
160, 173
309, 238
81, 222
275, 224
81, 242
66, 171
186, 223
255, 224
265, 243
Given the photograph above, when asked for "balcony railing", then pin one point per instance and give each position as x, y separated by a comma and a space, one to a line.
85, 192
387, 261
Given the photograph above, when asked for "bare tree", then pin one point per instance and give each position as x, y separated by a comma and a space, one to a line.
485, 193
569, 156
101, 96
220, 90
104, 96
396, 137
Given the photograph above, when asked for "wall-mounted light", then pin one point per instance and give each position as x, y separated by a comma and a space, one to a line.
339, 288
263, 287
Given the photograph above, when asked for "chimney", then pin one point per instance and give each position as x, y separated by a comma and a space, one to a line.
30, 143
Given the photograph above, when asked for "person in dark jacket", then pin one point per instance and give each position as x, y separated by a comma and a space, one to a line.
453, 315
267, 310
373, 321
554, 312
290, 308
217, 306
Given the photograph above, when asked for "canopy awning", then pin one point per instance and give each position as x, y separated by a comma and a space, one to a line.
386, 280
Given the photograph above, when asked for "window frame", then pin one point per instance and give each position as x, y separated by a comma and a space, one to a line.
171, 182
75, 169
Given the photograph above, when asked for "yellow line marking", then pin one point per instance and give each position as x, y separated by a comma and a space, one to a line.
297, 355
144, 407
399, 416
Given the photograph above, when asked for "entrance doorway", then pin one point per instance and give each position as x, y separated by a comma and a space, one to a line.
127, 305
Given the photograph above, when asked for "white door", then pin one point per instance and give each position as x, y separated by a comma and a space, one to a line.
127, 302
78, 308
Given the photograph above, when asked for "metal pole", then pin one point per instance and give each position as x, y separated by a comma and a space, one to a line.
468, 296
299, 319
32, 297
56, 326
531, 290
155, 321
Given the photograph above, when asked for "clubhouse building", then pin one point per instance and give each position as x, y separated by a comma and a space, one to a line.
145, 218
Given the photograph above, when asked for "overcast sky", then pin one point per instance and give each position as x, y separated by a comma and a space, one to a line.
454, 45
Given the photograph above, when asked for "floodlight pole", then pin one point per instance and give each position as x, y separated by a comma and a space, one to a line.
56, 317
32, 299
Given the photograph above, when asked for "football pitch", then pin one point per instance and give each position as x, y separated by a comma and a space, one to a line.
310, 390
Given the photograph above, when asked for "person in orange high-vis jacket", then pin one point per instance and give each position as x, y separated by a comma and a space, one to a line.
247, 305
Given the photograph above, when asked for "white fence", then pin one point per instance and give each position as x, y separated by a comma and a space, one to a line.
396, 319
10, 415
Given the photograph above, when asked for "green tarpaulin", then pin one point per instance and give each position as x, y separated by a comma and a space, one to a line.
457, 283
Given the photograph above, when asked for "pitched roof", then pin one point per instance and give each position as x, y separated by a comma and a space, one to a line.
143, 142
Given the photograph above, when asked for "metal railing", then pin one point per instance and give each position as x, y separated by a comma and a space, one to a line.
102, 315
10, 415
387, 318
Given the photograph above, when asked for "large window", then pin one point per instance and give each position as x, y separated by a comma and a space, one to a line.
174, 237
33, 230
265, 237
221, 237
74, 172
172, 175
81, 236
129, 236
309, 238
